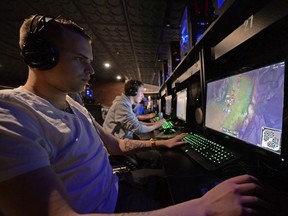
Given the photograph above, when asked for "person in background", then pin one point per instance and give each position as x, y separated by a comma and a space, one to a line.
150, 104
141, 107
54, 156
121, 121
141, 111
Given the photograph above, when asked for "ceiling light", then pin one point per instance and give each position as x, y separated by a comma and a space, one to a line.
118, 77
168, 25
107, 65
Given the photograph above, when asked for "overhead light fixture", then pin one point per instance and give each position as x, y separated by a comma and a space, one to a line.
107, 65
118, 77
168, 24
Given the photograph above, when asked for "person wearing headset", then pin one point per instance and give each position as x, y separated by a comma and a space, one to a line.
121, 120
141, 111
54, 156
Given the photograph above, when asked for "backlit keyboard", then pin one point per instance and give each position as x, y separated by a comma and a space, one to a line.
207, 153
167, 124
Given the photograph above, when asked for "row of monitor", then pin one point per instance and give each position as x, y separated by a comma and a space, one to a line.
196, 18
247, 106
181, 106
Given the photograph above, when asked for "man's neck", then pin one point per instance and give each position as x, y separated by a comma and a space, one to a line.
55, 97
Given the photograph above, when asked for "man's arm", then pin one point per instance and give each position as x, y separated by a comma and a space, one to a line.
118, 146
155, 125
146, 116
130, 122
41, 193
127, 145
147, 123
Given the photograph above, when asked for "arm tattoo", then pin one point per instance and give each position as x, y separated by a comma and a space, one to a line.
131, 214
132, 144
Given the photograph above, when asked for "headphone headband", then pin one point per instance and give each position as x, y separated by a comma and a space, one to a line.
43, 20
38, 52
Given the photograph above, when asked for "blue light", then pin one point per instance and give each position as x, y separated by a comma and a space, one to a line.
202, 23
89, 93
220, 2
184, 27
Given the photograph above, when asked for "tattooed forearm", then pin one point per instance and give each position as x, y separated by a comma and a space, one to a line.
132, 144
138, 214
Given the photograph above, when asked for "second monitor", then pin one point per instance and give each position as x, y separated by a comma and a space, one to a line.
181, 105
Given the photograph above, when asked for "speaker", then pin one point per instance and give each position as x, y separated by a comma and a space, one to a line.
196, 112
38, 52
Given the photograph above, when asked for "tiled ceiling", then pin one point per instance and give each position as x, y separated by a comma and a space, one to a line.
130, 34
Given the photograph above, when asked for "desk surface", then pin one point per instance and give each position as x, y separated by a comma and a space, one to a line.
187, 180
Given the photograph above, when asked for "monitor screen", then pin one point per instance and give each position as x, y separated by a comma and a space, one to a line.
249, 106
181, 104
159, 105
168, 104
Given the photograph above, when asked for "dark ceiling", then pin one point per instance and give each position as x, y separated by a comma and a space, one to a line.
130, 34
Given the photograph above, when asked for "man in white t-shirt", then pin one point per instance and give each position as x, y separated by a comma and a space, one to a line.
54, 157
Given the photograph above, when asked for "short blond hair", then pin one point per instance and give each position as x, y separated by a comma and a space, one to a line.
52, 31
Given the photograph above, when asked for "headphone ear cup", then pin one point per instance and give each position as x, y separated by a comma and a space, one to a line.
39, 53
133, 91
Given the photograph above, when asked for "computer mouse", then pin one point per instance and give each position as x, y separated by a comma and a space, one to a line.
169, 131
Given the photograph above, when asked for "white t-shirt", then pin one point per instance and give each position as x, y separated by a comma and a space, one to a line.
35, 134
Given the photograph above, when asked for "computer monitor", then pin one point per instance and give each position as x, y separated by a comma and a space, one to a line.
159, 105
181, 104
168, 105
248, 106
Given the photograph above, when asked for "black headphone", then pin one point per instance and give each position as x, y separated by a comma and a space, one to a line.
38, 52
133, 89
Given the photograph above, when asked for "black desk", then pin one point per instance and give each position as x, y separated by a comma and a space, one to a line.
187, 180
